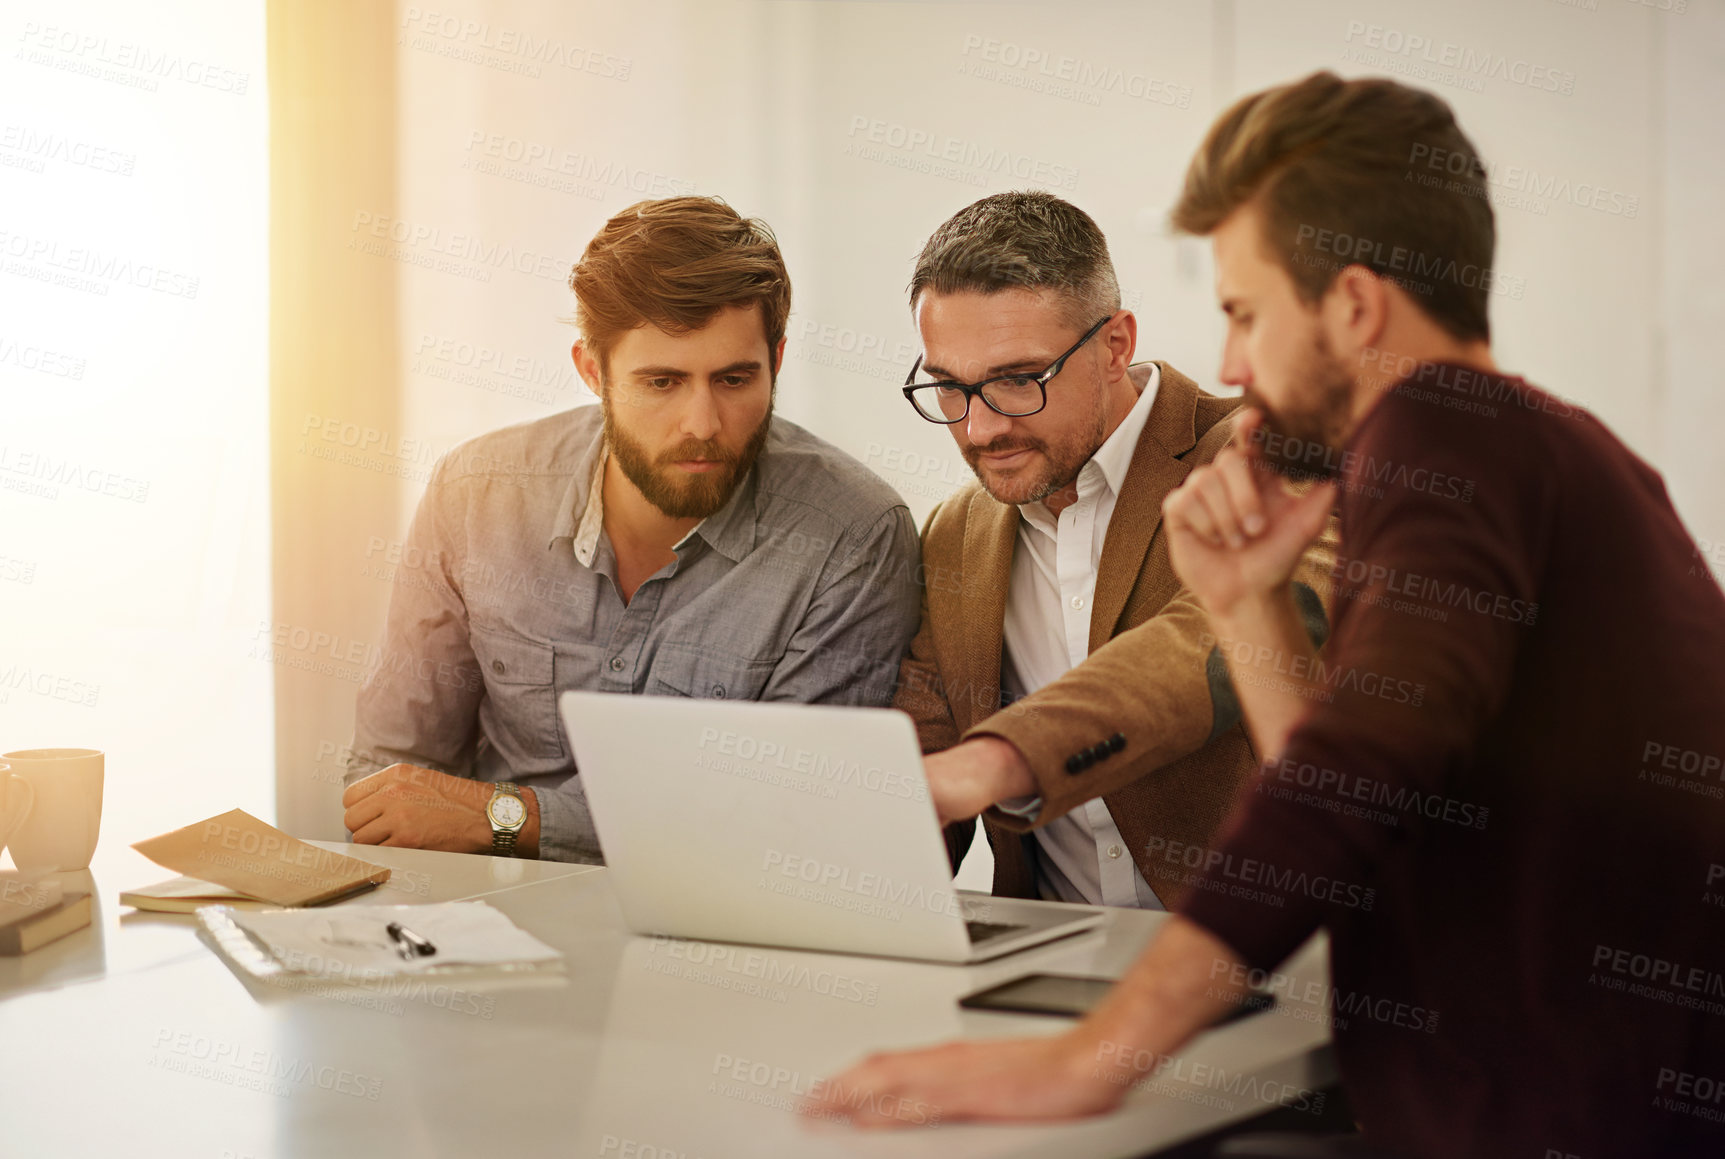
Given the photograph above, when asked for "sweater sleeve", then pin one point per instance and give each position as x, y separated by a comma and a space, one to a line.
1444, 520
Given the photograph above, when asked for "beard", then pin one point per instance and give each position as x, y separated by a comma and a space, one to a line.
1060, 463
1302, 441
677, 493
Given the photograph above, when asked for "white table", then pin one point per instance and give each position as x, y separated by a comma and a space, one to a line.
134, 1038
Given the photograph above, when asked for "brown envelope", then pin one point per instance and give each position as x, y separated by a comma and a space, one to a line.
237, 850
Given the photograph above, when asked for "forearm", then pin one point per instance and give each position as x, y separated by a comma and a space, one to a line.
1273, 666
1147, 686
1183, 982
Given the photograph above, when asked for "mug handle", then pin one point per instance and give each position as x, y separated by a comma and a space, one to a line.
10, 779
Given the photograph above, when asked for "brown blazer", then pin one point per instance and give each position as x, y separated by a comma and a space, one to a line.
1149, 721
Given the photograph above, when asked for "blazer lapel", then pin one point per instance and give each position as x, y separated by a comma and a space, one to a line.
990, 534
1169, 431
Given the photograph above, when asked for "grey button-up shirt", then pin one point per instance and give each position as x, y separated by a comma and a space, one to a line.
803, 587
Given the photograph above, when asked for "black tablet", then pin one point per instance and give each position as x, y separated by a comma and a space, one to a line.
1074, 995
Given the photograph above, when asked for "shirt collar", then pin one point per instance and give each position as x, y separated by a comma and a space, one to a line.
577, 506
593, 511
730, 530
1113, 458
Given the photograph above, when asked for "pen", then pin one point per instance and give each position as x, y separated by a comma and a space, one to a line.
412, 944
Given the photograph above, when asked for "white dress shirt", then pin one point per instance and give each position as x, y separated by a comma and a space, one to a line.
1081, 856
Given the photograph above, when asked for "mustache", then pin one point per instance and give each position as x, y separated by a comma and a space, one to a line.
1003, 447
695, 449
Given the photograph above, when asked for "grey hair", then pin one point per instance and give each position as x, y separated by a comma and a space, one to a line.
1025, 239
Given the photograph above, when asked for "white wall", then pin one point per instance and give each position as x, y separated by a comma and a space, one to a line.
133, 389
1688, 317
804, 113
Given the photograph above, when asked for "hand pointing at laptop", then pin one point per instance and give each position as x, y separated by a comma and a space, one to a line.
968, 778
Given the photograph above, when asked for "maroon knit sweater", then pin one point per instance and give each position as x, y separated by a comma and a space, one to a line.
1508, 808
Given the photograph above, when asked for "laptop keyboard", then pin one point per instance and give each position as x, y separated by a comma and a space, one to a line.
987, 931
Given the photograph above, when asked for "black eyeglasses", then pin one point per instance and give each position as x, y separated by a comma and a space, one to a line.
1013, 395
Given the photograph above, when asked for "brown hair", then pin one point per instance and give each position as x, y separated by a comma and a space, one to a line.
676, 263
1366, 172
1029, 240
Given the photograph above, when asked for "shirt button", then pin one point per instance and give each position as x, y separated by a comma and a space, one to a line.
1078, 602
1114, 851
616, 663
497, 667
718, 692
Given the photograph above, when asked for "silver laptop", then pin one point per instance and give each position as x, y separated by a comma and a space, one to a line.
785, 825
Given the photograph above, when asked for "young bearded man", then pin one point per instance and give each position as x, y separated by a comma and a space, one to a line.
1048, 586
1542, 970
676, 540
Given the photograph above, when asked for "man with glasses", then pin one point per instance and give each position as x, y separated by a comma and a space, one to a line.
1541, 968
1064, 684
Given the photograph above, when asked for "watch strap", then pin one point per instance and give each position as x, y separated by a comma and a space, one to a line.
503, 839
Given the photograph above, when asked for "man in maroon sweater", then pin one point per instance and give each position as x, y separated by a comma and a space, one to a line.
1499, 786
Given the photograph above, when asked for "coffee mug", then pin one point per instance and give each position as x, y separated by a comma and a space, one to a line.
13, 813
58, 829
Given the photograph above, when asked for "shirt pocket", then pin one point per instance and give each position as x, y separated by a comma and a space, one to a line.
706, 674
520, 713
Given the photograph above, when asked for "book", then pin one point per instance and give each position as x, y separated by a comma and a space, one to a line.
183, 895
24, 895
256, 860
69, 914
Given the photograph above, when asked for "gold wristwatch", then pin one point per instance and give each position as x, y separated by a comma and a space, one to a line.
507, 813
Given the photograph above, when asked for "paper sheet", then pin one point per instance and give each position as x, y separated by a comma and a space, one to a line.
351, 941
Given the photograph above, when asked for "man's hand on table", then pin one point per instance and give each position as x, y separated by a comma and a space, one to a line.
1185, 979
416, 808
1030, 1078
969, 777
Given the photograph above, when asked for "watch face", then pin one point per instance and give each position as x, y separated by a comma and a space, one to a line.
507, 811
